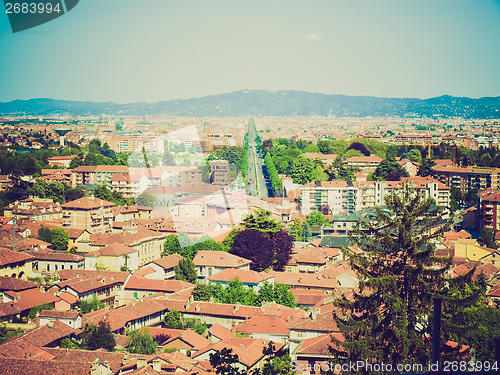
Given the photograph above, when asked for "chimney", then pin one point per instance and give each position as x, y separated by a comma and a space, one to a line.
141, 362
42, 289
157, 364
160, 349
95, 368
107, 365
51, 323
125, 358
17, 297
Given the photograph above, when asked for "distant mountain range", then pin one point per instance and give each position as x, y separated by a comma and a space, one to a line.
267, 103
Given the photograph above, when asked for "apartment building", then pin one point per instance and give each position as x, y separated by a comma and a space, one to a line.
98, 174
364, 163
35, 209
219, 172
466, 178
90, 213
338, 196
489, 209
341, 197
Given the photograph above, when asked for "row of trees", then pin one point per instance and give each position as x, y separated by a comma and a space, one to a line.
272, 173
235, 292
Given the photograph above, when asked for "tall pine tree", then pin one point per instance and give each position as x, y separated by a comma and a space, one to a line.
390, 319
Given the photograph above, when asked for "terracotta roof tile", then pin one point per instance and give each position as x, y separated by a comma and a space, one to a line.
220, 331
11, 283
245, 276
219, 259
87, 203
169, 261
142, 283
264, 324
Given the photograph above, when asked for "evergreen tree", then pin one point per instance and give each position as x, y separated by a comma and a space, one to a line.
186, 271
389, 319
296, 230
100, 336
487, 238
424, 169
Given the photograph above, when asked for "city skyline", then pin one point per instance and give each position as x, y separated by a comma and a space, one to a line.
124, 52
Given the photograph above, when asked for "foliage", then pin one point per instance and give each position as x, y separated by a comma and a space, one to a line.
67, 343
141, 343
389, 170
57, 237
261, 220
183, 245
93, 304
306, 232
145, 199
55, 190
73, 194
60, 239
301, 170
359, 147
487, 238
6, 334
36, 310
186, 271
316, 218
173, 320
102, 192
296, 230
425, 167
100, 336
256, 246
415, 156
235, 292
276, 184
337, 171
388, 318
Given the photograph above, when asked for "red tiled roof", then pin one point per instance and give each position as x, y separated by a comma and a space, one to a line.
9, 257
36, 367
44, 335
322, 323
88, 203
270, 324
142, 283
219, 259
17, 347
71, 356
114, 249
220, 331
169, 261
11, 283
26, 299
71, 274
59, 314
85, 285
319, 345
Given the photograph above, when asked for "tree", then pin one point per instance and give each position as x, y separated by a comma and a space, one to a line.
389, 170
256, 246
94, 304
45, 234
173, 320
261, 220
388, 320
145, 199
100, 336
359, 147
141, 343
487, 238
171, 245
425, 167
301, 169
73, 194
415, 156
315, 218
283, 244
186, 271
76, 162
296, 230
60, 239
225, 362
306, 232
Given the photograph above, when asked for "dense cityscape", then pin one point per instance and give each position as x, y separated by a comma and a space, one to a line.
183, 244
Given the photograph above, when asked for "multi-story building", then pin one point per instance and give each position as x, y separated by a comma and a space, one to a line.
489, 209
466, 178
340, 197
219, 172
90, 213
61, 161
35, 209
334, 196
364, 163
99, 174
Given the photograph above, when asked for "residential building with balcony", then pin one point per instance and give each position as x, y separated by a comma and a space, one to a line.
337, 196
90, 213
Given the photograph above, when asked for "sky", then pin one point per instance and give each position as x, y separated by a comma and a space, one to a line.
151, 50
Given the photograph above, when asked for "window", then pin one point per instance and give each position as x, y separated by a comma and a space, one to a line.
135, 294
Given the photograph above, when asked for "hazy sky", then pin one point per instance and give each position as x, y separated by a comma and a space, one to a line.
152, 50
